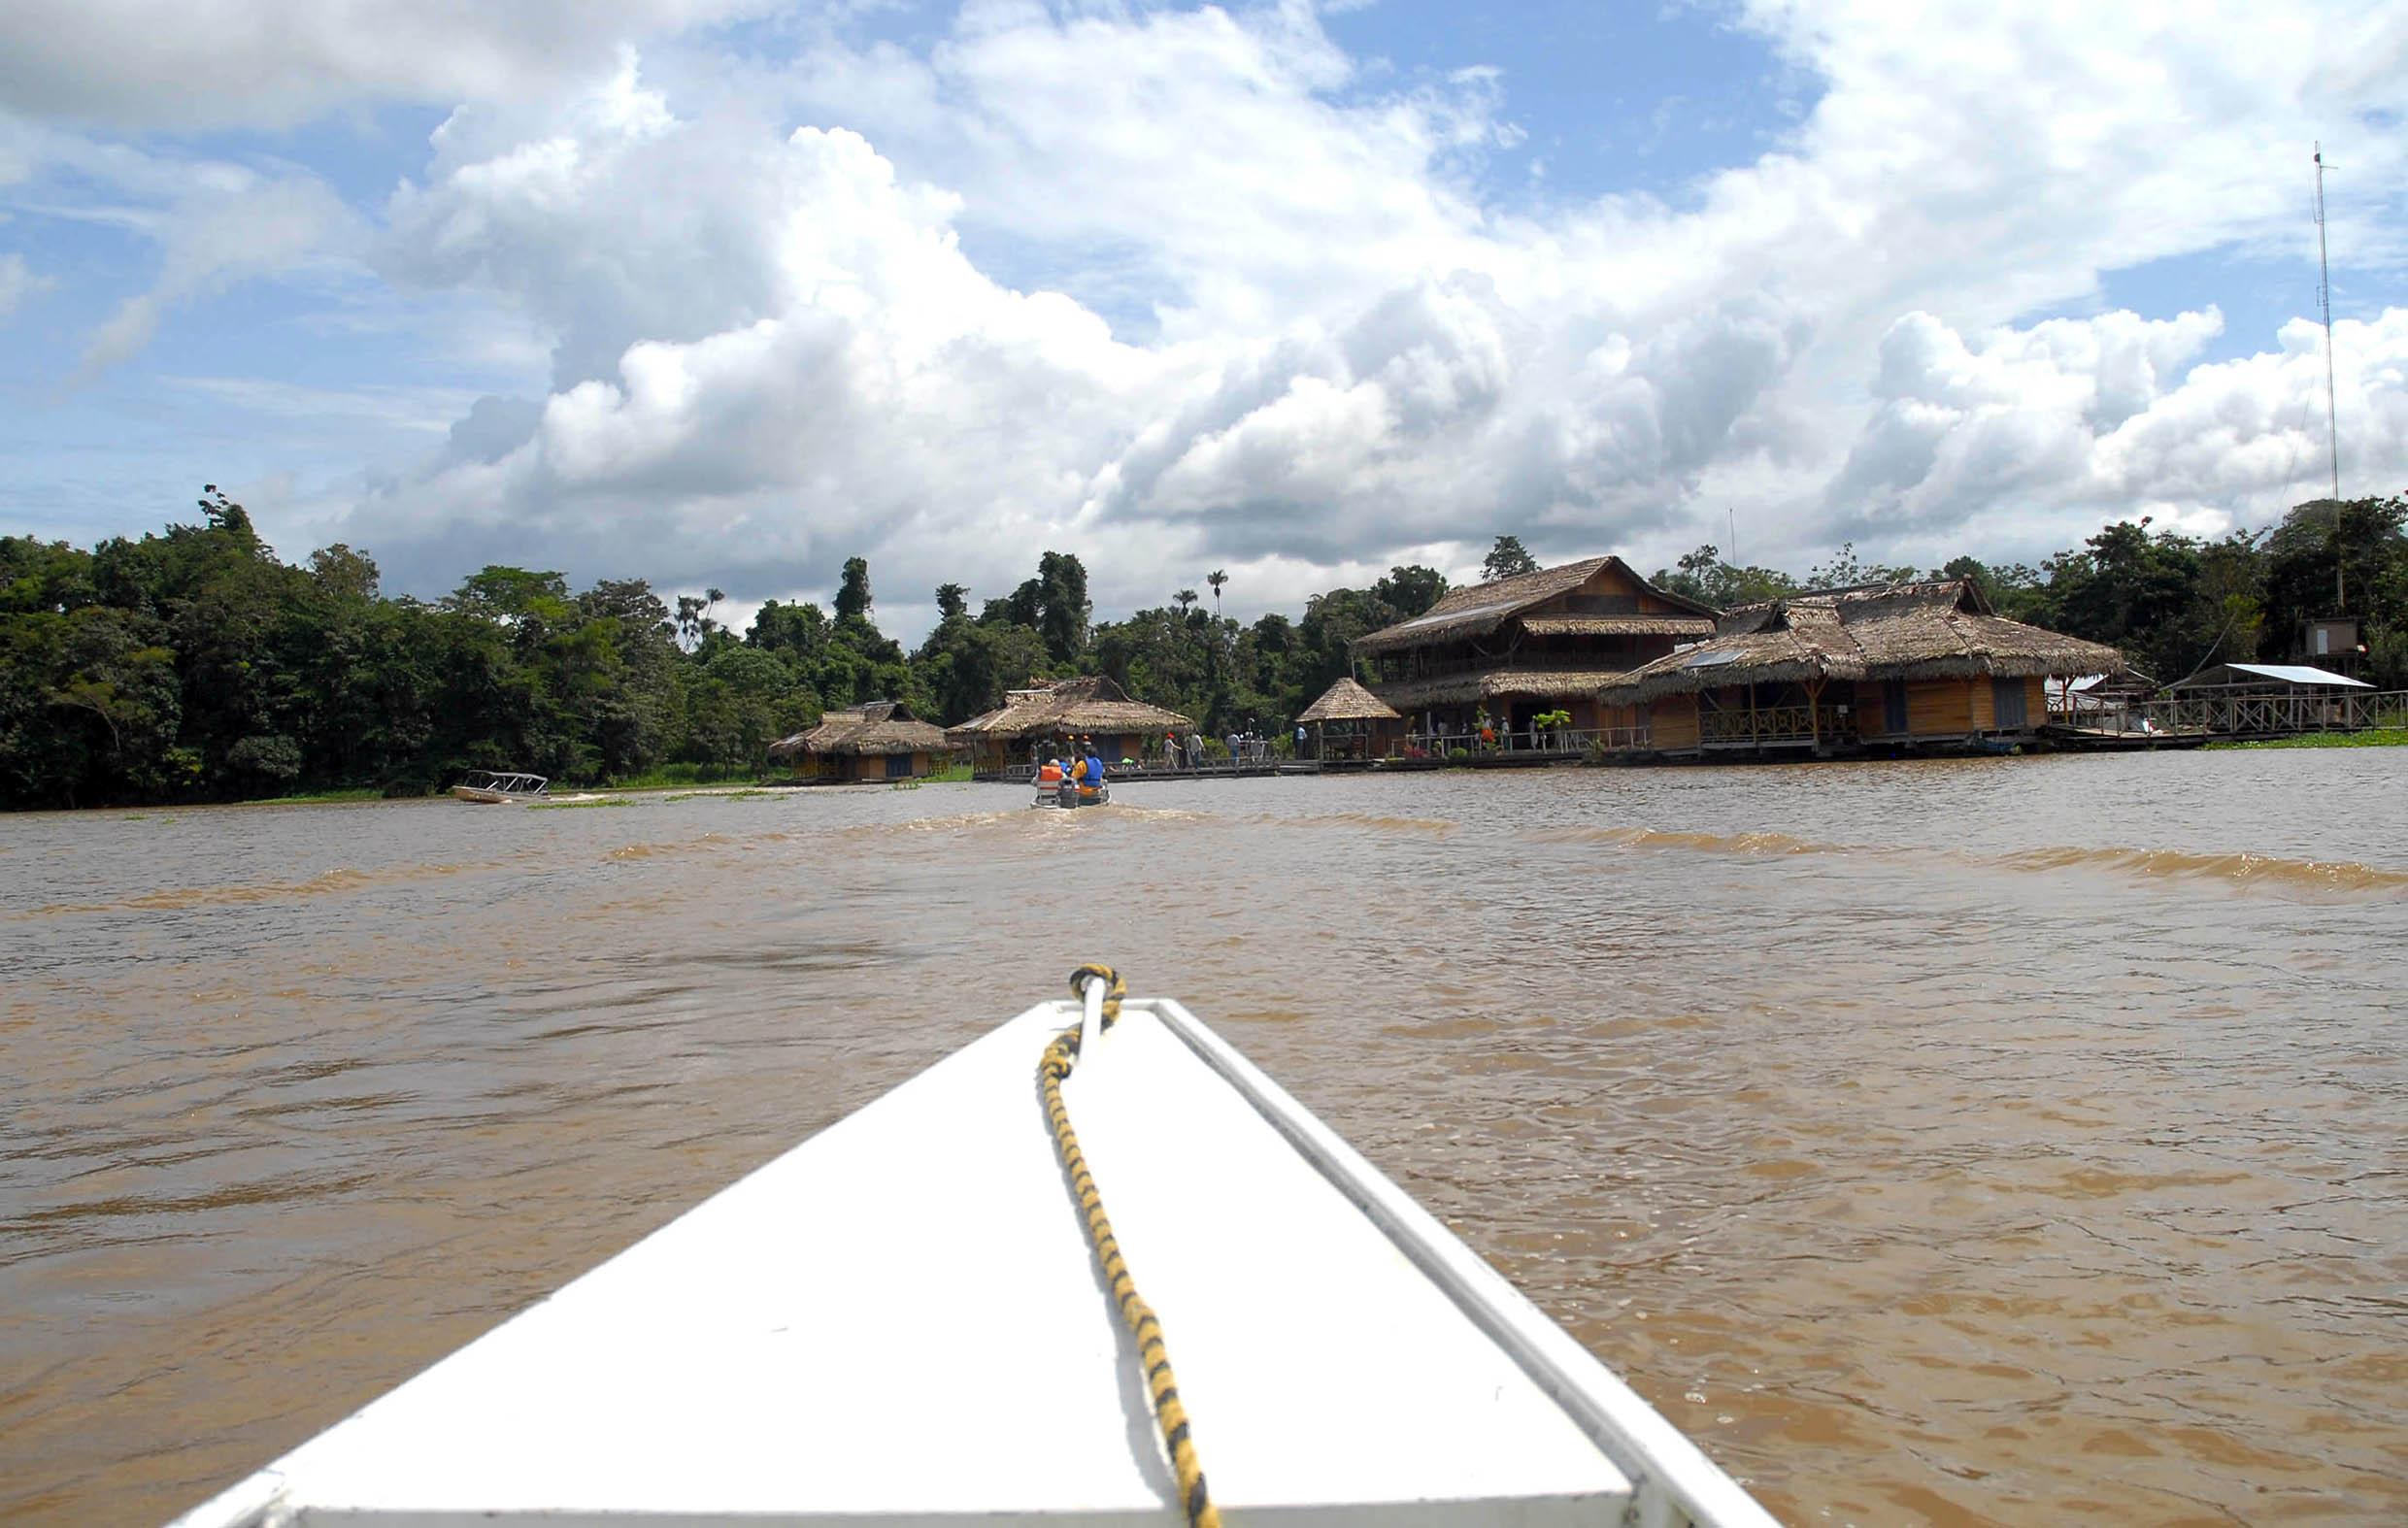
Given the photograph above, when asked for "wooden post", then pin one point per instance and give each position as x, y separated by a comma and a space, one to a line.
1754, 741
1814, 711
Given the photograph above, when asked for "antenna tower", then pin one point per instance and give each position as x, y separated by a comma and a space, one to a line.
2333, 428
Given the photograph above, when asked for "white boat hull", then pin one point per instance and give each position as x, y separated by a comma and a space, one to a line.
899, 1322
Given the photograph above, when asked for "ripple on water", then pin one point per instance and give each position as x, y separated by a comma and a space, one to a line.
1924, 1146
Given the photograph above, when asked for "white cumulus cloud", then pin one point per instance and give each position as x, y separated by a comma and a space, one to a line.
1181, 288
229, 63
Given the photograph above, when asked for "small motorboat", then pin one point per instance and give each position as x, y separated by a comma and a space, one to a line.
490, 785
921, 1315
1070, 793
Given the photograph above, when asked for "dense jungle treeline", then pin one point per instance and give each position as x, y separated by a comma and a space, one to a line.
194, 665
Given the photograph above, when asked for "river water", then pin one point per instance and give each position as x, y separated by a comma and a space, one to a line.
1994, 1140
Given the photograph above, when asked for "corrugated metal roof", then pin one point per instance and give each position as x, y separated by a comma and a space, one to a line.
2297, 674
1460, 612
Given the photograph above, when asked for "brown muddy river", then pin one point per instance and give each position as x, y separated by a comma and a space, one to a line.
2002, 1141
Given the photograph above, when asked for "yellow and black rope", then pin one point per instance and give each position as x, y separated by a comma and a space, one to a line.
1060, 1059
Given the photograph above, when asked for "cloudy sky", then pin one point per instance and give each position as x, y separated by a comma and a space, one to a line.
724, 291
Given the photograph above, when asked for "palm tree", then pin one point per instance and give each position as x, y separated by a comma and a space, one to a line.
1216, 578
1186, 598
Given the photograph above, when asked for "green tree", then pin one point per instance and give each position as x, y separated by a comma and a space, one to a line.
2325, 558
1704, 576
343, 573
1507, 560
852, 595
507, 595
800, 630
1410, 591
694, 624
1063, 614
1847, 571
51, 577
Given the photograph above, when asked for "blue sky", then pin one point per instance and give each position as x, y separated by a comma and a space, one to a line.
747, 288
1613, 100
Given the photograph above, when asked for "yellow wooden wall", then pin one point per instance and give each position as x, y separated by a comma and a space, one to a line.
1944, 708
1672, 721
873, 766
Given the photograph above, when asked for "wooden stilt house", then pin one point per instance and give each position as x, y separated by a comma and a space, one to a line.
1924, 666
1045, 716
878, 741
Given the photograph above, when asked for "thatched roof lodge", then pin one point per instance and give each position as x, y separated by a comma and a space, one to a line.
1350, 722
1921, 665
1536, 641
881, 739
1090, 705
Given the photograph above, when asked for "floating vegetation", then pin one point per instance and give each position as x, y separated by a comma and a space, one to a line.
2374, 737
315, 798
576, 805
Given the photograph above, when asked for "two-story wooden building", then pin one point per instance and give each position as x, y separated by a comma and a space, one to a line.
1537, 642
1910, 666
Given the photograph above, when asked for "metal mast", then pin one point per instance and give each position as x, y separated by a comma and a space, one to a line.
2332, 429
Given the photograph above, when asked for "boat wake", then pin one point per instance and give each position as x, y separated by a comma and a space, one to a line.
2239, 870
2233, 869
333, 882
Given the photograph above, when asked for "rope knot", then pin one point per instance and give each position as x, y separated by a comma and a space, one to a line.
1115, 989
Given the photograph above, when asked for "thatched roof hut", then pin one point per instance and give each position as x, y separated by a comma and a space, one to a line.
1089, 704
1348, 701
1936, 629
879, 727
1478, 611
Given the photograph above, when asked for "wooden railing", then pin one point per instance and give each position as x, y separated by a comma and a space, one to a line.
1774, 724
2236, 714
1560, 742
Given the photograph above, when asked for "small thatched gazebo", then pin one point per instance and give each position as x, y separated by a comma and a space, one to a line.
881, 739
1366, 724
1913, 665
1090, 705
